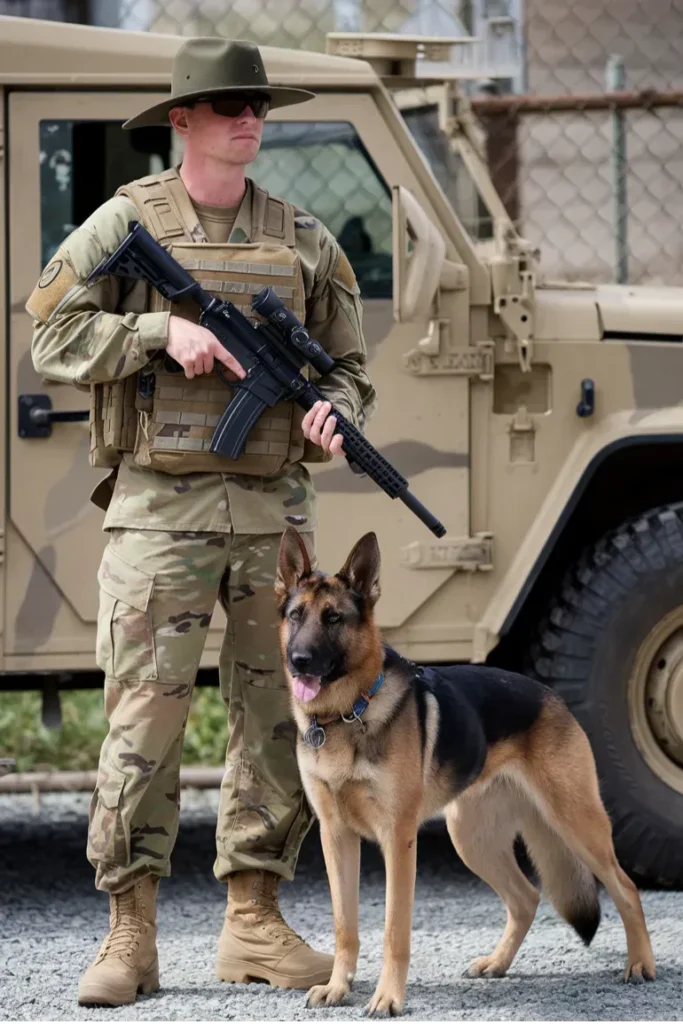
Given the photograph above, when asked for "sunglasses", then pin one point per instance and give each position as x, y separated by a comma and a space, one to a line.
236, 104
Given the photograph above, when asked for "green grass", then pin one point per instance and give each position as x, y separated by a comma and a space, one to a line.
76, 745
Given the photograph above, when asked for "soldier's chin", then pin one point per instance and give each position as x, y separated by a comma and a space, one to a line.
306, 688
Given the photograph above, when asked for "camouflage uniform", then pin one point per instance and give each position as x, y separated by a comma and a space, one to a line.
177, 543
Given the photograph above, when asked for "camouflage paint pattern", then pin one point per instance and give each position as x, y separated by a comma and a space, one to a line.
158, 591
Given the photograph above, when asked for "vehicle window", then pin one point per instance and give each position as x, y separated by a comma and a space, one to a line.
82, 163
450, 171
319, 166
324, 168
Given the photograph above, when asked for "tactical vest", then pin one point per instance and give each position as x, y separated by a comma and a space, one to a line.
165, 419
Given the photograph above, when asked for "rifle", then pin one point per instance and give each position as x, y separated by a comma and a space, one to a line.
271, 354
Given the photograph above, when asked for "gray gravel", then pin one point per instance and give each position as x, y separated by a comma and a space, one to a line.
52, 921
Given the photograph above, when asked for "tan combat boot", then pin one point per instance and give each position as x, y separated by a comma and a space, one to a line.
256, 944
127, 962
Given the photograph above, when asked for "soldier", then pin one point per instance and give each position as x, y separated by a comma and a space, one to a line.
187, 527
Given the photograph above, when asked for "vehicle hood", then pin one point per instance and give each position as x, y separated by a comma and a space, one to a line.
630, 312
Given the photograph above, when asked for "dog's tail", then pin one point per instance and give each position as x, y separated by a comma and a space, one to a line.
569, 885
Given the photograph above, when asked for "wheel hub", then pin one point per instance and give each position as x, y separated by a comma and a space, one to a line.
655, 699
664, 696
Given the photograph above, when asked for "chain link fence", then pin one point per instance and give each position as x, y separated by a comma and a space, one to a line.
586, 150
293, 23
596, 187
599, 187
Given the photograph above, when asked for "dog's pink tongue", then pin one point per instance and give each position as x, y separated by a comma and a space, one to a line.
306, 687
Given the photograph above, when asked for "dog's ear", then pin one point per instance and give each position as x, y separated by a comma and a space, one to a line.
362, 568
293, 563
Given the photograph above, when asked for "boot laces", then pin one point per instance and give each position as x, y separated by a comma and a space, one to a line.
124, 936
276, 926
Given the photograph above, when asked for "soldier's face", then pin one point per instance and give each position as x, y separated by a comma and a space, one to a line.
231, 140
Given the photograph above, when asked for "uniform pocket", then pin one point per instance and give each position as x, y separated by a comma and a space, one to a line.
125, 648
109, 830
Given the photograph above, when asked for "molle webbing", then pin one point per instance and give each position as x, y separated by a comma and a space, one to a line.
178, 428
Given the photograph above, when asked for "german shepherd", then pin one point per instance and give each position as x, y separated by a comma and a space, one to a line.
384, 744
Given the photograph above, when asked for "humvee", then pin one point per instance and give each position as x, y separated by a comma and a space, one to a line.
540, 420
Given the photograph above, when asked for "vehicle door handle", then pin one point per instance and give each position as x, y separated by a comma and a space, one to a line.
36, 416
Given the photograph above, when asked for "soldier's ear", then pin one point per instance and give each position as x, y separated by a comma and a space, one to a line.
178, 116
293, 563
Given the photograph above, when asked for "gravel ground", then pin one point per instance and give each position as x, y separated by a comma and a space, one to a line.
52, 921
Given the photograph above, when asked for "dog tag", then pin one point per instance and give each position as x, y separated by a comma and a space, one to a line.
315, 736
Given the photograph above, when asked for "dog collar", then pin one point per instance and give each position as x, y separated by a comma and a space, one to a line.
315, 735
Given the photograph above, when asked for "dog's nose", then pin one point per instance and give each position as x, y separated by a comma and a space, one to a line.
301, 660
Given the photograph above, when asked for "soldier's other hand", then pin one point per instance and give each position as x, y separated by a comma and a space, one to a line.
318, 427
195, 348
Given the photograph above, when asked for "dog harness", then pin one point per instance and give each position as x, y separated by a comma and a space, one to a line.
315, 734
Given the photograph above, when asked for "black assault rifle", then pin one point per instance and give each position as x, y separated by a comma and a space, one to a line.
271, 354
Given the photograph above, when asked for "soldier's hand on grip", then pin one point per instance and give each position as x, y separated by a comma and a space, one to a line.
195, 348
318, 426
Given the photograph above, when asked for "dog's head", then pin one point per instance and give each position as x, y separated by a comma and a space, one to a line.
327, 629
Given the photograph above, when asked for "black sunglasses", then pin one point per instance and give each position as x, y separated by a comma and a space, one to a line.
236, 103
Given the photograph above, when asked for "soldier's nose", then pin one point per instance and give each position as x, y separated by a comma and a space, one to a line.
301, 660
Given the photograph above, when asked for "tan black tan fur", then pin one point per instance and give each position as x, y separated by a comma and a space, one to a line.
499, 753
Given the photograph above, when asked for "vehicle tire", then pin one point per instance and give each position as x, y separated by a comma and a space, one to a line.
611, 645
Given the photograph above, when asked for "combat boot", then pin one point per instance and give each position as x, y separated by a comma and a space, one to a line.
256, 944
127, 962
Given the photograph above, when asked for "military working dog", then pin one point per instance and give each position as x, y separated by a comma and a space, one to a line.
384, 744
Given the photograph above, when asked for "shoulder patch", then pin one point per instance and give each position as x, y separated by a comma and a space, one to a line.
343, 272
304, 221
56, 280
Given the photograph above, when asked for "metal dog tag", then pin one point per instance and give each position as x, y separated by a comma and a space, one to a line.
315, 736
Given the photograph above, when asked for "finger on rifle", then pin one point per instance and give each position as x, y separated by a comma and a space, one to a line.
336, 445
328, 432
319, 422
207, 362
307, 421
228, 360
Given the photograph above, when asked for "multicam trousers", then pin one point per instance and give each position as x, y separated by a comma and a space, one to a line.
158, 591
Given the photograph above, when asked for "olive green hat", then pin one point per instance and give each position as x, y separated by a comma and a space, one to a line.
213, 66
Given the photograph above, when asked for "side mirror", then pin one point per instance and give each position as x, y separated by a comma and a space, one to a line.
417, 274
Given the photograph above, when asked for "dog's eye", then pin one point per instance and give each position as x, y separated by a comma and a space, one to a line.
295, 614
333, 617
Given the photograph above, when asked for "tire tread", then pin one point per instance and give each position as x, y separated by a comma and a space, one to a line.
567, 638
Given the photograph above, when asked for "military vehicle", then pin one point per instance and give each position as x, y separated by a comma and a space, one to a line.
540, 421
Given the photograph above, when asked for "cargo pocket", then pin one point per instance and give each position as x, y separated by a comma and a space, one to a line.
125, 648
109, 830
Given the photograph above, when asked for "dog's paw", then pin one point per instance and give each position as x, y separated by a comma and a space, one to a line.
486, 967
327, 995
640, 971
384, 1003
